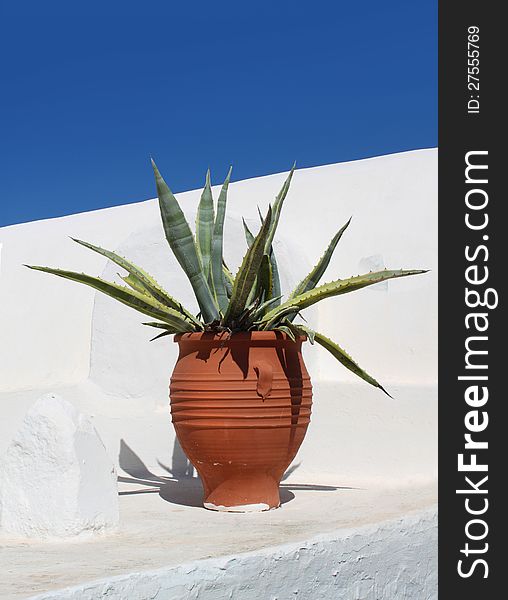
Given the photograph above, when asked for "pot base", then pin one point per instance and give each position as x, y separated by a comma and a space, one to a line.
245, 508
228, 491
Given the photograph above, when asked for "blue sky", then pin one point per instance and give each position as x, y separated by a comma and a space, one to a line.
88, 96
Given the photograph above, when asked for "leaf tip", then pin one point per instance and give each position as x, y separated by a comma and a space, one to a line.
228, 177
155, 169
383, 390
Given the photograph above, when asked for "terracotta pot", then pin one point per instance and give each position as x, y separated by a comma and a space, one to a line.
241, 406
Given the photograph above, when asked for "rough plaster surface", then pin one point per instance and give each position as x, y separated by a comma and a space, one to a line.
390, 561
57, 480
163, 526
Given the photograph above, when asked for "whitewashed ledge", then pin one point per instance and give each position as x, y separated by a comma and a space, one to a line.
351, 544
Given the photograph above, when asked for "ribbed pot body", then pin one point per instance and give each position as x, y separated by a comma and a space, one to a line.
240, 406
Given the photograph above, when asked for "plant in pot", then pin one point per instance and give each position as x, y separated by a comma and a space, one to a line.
240, 392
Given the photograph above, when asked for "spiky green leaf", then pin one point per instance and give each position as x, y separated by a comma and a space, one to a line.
134, 283
343, 357
247, 272
277, 207
168, 330
140, 302
263, 308
287, 330
228, 280
304, 330
249, 236
279, 315
276, 289
181, 241
341, 286
205, 219
315, 275
219, 285
265, 279
140, 280
157, 325
163, 334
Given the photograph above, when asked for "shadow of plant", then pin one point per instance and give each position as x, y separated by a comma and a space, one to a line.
181, 485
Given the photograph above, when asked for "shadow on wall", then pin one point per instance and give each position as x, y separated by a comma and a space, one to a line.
181, 485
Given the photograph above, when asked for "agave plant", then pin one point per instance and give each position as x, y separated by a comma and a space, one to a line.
251, 300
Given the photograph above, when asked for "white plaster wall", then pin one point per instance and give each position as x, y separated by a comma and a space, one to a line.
61, 336
46, 323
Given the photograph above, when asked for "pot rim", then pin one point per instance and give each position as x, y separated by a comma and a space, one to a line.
239, 336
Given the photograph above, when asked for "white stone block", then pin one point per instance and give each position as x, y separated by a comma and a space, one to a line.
57, 480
